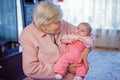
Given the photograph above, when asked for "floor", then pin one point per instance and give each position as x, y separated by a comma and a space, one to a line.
103, 65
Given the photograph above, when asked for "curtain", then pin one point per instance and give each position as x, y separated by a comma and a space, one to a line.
103, 16
8, 21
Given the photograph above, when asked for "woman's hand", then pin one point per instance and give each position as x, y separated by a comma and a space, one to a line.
83, 58
72, 68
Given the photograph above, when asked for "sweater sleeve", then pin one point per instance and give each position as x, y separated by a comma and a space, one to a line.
32, 66
89, 41
67, 27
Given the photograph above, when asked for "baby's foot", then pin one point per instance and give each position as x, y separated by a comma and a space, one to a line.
58, 76
78, 78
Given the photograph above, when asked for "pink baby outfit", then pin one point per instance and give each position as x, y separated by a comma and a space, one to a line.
71, 55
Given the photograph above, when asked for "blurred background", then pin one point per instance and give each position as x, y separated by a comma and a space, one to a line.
15, 15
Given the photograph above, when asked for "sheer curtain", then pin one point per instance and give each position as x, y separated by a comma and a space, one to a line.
103, 15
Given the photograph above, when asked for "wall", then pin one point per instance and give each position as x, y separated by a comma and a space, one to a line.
109, 39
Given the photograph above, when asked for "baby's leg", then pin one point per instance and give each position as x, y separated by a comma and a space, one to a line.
62, 64
58, 76
81, 71
78, 78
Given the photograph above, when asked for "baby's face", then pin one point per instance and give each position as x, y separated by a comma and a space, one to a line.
82, 30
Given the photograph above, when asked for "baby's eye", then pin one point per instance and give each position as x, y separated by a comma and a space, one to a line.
77, 27
82, 30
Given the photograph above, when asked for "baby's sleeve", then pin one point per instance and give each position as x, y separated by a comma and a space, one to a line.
89, 41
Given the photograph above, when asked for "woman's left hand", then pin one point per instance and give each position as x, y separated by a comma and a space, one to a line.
72, 68
83, 58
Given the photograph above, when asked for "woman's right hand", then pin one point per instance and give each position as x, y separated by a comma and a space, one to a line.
72, 68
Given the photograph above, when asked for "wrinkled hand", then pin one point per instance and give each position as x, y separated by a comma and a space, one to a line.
71, 68
83, 58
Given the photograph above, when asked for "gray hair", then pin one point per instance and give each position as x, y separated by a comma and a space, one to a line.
46, 12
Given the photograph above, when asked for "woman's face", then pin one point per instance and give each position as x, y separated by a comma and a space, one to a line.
53, 28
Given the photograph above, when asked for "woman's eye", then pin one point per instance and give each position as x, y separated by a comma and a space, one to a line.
57, 22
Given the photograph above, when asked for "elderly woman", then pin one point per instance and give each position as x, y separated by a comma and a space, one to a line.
41, 44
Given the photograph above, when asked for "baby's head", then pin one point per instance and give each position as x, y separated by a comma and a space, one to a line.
83, 29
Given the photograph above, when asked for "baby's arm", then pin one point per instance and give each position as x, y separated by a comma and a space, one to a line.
68, 38
88, 40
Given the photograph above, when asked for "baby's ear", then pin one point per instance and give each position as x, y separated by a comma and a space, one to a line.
90, 34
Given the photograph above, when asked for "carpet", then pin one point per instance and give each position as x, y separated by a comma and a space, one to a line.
103, 66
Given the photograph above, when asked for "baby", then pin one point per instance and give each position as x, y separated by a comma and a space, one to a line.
76, 43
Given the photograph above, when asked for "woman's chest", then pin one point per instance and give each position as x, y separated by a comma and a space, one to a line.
47, 50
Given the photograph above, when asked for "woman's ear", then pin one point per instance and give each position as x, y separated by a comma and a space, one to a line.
42, 27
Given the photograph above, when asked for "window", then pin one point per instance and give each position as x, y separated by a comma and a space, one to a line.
99, 13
